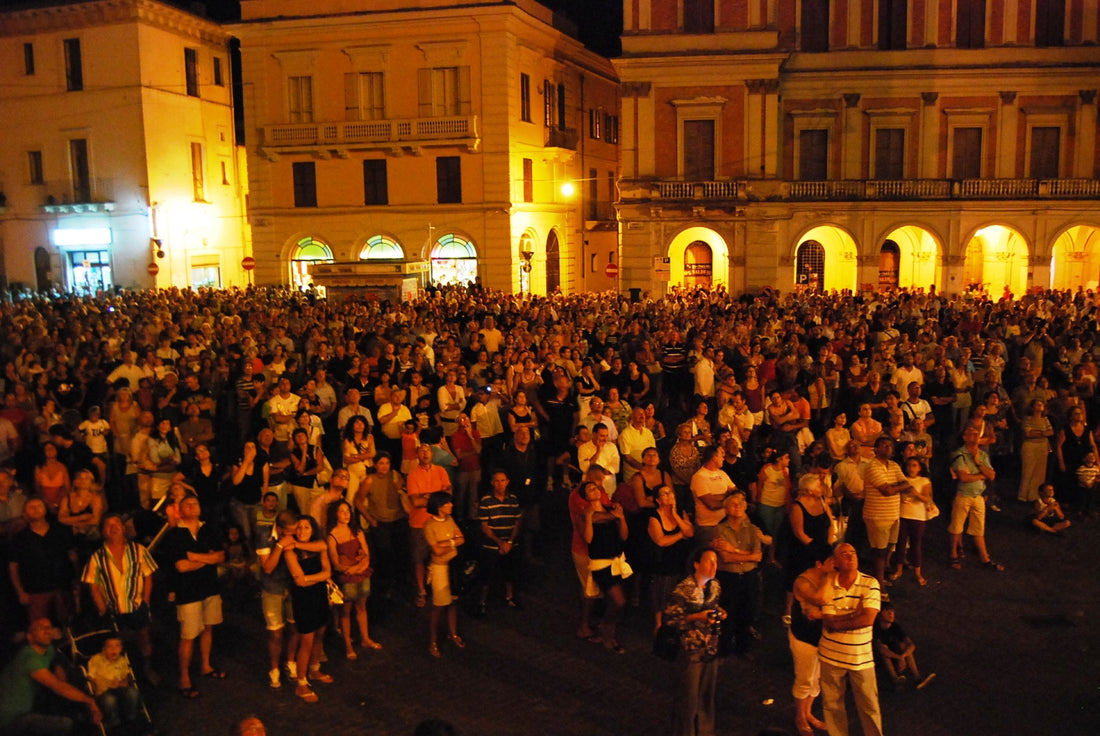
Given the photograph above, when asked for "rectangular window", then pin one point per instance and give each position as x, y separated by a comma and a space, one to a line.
198, 173
698, 16
893, 17
28, 59
611, 128
970, 24
191, 71
364, 96
74, 67
814, 32
595, 123
813, 155
225, 173
549, 96
219, 78
528, 180
80, 170
593, 194
444, 91
1050, 22
890, 153
699, 150
561, 107
376, 188
305, 184
448, 179
300, 99
1045, 145
34, 167
966, 157
525, 98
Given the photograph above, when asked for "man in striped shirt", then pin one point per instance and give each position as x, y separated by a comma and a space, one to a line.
883, 483
500, 518
846, 649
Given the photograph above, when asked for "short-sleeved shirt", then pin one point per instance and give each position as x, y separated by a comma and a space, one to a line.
278, 580
18, 691
850, 650
438, 531
195, 585
424, 482
746, 539
708, 482
877, 506
501, 515
123, 586
965, 462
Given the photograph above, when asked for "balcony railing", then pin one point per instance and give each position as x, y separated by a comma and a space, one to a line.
398, 131
848, 190
91, 195
562, 138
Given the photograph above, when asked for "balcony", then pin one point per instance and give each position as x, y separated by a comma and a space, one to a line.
68, 197
860, 190
565, 138
338, 137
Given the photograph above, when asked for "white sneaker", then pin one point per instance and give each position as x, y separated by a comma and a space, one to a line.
292, 670
274, 676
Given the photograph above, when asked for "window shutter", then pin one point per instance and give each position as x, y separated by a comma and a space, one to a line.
425, 93
351, 96
464, 90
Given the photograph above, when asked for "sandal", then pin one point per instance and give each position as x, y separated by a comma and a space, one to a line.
457, 641
921, 581
372, 644
894, 576
351, 655
322, 677
955, 564
433, 649
993, 565
305, 692
215, 674
188, 693
421, 600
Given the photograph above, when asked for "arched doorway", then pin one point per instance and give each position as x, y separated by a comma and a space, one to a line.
810, 267
42, 271
889, 266
553, 262
306, 251
834, 246
453, 261
997, 261
918, 255
698, 238
698, 265
1075, 259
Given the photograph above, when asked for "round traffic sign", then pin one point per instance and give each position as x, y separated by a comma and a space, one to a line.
611, 270
248, 263
153, 269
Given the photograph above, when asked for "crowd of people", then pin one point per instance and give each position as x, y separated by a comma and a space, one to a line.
321, 452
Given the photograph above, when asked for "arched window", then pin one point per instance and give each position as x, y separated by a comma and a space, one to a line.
453, 261
810, 272
698, 265
379, 246
308, 250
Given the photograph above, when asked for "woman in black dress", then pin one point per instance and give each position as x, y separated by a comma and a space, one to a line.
309, 596
811, 531
605, 531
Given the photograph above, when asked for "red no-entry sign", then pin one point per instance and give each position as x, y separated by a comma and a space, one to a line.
153, 269
611, 270
248, 263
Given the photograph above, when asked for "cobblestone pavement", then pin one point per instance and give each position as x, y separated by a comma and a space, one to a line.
1014, 653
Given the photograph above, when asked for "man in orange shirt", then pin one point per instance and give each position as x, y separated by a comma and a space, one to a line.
424, 480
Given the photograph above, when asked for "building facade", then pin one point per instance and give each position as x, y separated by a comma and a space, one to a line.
118, 165
860, 144
435, 140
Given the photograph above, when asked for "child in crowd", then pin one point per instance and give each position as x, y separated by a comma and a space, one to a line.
1048, 516
94, 430
1086, 481
238, 558
113, 686
410, 440
894, 649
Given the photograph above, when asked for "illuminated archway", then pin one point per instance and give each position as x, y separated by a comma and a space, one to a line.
1075, 259
306, 251
697, 238
997, 259
918, 256
381, 247
840, 264
453, 261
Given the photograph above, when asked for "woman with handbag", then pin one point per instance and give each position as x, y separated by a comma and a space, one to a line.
443, 537
693, 610
350, 558
309, 596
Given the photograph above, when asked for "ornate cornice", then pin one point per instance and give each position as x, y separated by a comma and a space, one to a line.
72, 17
